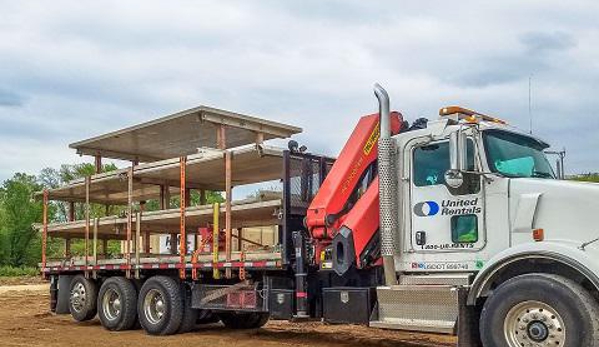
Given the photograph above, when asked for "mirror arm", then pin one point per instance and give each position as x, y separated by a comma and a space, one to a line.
487, 176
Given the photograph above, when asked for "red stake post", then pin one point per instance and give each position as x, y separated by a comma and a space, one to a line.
182, 204
44, 230
87, 225
129, 221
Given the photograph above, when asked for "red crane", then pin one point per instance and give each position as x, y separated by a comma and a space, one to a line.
345, 211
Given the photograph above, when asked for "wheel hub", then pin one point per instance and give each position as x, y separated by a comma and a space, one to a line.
154, 306
111, 304
538, 331
534, 324
78, 297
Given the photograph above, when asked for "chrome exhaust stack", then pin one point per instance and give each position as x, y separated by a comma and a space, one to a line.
387, 187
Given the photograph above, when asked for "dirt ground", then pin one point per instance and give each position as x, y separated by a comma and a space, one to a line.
8, 281
26, 321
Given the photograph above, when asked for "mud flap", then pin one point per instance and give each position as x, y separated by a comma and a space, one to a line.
467, 324
64, 294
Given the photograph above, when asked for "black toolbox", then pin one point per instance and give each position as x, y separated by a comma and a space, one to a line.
348, 305
281, 303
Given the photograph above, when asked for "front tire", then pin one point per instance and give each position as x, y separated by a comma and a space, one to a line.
82, 300
540, 310
117, 304
160, 306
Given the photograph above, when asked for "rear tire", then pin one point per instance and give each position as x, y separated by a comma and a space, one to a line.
540, 310
246, 320
160, 306
117, 304
82, 299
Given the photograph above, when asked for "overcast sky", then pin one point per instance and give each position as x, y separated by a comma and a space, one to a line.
73, 69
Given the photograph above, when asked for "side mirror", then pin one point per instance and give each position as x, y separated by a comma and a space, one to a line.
454, 177
457, 151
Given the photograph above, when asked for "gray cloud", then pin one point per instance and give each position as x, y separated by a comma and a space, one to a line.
10, 98
498, 70
75, 69
543, 41
538, 56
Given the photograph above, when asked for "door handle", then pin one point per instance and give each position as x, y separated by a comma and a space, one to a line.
420, 238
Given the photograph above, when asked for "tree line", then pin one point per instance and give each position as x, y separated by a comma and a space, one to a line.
20, 242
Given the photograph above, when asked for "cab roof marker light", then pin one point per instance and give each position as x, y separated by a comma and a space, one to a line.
467, 115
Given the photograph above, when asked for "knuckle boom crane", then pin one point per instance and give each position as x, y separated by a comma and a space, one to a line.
344, 214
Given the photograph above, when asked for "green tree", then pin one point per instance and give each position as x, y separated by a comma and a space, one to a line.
53, 178
211, 197
19, 241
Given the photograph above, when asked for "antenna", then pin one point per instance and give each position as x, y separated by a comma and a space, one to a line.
530, 102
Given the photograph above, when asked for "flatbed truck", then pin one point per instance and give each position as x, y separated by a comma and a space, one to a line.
456, 225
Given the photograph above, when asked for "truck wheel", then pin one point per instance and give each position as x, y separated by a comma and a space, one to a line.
540, 310
252, 320
117, 304
190, 315
160, 306
82, 301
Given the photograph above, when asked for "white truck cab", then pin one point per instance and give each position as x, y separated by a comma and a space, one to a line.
478, 188
480, 208
459, 223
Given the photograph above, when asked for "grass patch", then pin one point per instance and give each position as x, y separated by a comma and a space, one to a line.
12, 271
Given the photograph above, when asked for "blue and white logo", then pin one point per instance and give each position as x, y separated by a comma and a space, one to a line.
426, 208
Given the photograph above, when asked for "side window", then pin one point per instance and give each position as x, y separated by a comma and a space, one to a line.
464, 228
432, 161
430, 164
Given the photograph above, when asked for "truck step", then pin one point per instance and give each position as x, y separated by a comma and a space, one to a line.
427, 308
420, 325
436, 279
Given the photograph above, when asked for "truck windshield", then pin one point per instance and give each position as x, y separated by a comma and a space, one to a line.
515, 155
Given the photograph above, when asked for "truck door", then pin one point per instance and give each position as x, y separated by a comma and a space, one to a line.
444, 222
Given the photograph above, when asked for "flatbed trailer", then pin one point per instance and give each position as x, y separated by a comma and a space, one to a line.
267, 164
292, 178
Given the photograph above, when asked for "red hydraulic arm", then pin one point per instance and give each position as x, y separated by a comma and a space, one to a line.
337, 202
363, 220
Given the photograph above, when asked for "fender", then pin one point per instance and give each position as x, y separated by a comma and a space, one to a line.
565, 252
